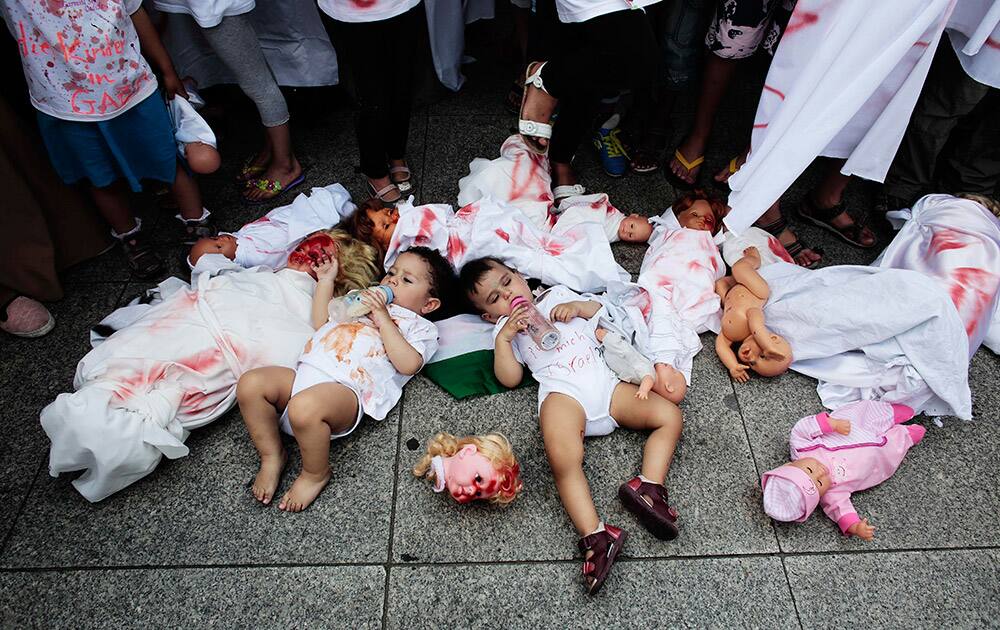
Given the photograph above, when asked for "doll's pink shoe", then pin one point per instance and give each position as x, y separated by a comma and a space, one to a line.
606, 546
27, 318
648, 501
916, 432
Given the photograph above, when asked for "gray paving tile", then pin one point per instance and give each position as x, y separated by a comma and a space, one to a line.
647, 594
199, 510
21, 455
955, 589
711, 482
945, 480
453, 142
290, 597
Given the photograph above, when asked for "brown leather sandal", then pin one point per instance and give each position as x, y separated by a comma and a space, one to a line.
796, 247
648, 501
606, 546
810, 211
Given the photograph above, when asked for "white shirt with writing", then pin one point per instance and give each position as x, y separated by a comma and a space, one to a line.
365, 10
81, 57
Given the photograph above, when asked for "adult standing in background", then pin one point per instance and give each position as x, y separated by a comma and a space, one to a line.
227, 28
377, 39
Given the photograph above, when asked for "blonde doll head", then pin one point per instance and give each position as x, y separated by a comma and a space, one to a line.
358, 268
987, 202
475, 467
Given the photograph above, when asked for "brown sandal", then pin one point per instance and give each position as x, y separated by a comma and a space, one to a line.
775, 228
648, 501
809, 211
606, 546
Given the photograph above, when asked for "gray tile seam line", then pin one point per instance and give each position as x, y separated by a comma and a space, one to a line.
791, 593
20, 508
392, 511
456, 563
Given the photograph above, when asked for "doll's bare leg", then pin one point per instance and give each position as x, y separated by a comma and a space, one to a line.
745, 273
263, 394
315, 414
562, 422
655, 414
670, 383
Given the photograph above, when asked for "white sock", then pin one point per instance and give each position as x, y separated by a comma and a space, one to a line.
600, 528
648, 480
204, 215
132, 232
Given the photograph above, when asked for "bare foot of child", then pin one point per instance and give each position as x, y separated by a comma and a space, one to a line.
266, 481
670, 383
304, 491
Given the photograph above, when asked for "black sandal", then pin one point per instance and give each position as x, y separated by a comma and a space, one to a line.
775, 228
809, 211
141, 258
191, 231
606, 546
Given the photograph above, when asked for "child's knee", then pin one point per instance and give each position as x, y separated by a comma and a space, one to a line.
250, 386
305, 410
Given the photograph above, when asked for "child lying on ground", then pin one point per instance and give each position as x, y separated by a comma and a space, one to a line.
834, 455
472, 468
578, 395
348, 368
743, 297
270, 239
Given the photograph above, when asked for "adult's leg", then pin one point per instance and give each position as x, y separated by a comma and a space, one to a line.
262, 395
773, 222
401, 43
235, 42
827, 196
947, 95
315, 414
971, 163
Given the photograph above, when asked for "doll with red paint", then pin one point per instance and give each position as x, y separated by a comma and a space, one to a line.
743, 297
347, 370
472, 468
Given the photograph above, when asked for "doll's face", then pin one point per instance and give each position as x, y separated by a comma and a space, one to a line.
819, 473
469, 476
312, 250
635, 229
384, 222
751, 354
224, 244
410, 280
698, 217
495, 291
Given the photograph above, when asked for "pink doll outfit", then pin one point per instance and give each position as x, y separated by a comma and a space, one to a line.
574, 367
864, 458
351, 353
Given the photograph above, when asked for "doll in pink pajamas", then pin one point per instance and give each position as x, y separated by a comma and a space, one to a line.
858, 446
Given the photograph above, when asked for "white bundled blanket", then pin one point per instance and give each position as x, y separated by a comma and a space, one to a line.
579, 258
872, 334
957, 243
140, 392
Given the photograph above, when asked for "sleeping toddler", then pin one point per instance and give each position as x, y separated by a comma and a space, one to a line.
348, 369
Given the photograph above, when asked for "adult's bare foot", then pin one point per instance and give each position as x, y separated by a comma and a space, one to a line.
268, 477
692, 149
537, 107
304, 491
254, 166
803, 256
283, 174
730, 169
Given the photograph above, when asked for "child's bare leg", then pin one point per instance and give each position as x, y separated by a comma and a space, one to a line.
186, 194
263, 394
655, 414
670, 383
315, 414
562, 422
112, 202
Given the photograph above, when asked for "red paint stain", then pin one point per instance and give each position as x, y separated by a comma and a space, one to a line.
505, 236
779, 250
768, 88
425, 228
943, 240
312, 250
456, 247
801, 20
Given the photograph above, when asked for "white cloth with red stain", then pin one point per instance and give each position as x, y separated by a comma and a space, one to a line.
520, 177
351, 353
140, 392
365, 10
579, 258
974, 31
270, 239
842, 84
574, 367
957, 243
906, 345
81, 60
770, 248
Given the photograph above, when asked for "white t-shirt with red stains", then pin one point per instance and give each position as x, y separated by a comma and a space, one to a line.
207, 13
352, 353
583, 10
81, 57
365, 10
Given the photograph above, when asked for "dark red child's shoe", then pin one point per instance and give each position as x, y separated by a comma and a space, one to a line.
648, 501
606, 546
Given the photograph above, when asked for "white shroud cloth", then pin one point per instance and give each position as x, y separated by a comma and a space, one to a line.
974, 31
957, 243
843, 84
579, 258
140, 392
872, 334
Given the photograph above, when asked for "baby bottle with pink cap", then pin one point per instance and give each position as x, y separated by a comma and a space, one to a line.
540, 329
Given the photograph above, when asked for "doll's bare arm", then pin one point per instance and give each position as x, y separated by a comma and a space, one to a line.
723, 348
723, 285
745, 273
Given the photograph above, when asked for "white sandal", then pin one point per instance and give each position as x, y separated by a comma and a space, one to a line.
379, 194
560, 193
531, 129
404, 185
